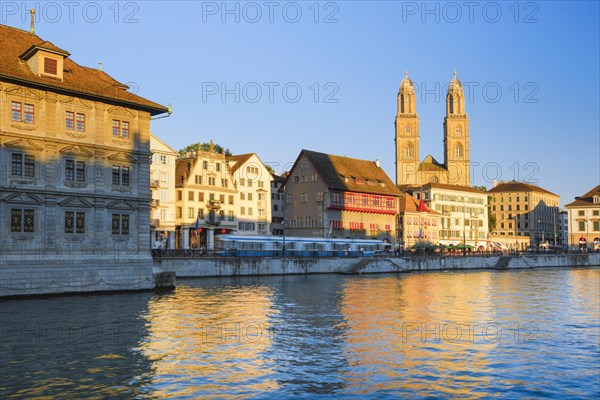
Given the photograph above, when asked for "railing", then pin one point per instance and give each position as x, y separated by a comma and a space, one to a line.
159, 254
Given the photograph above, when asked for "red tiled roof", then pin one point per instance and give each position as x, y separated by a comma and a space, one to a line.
410, 204
77, 80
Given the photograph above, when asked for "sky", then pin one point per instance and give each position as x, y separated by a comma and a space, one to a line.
274, 77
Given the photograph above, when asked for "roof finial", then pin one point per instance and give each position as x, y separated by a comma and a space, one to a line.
406, 73
32, 25
454, 74
100, 64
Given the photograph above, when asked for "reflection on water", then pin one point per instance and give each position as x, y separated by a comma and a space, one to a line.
465, 334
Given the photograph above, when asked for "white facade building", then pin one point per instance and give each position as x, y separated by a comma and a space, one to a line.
162, 186
253, 183
464, 210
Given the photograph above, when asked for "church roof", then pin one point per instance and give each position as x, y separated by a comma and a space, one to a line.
17, 44
406, 83
455, 84
431, 164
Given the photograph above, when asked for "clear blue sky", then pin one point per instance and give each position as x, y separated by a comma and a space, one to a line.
543, 56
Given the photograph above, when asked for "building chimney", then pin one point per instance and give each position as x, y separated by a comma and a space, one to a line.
377, 164
32, 25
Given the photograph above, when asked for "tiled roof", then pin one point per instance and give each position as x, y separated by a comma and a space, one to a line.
183, 169
238, 160
587, 199
410, 204
78, 80
514, 186
350, 174
460, 188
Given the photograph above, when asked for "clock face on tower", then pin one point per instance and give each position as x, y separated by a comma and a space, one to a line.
457, 131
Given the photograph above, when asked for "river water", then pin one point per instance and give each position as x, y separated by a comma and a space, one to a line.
507, 334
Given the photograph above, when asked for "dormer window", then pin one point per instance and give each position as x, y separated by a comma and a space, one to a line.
596, 199
50, 66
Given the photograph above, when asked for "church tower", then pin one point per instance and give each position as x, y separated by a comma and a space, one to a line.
456, 136
407, 134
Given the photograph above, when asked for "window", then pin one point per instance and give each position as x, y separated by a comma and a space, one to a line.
581, 213
204, 164
242, 196
22, 220
222, 198
261, 196
69, 120
178, 212
23, 165
198, 179
74, 222
224, 182
596, 212
246, 226
120, 175
120, 224
250, 196
242, 210
21, 112
179, 195
80, 126
231, 199
74, 171
249, 182
290, 197
211, 181
50, 66
163, 159
261, 184
249, 210
596, 225
191, 196
261, 212
218, 167
581, 226
200, 196
303, 197
242, 182
230, 215
120, 129
191, 212
458, 152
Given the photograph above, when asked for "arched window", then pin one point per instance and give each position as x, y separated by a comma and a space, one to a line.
409, 150
402, 102
451, 104
407, 128
458, 151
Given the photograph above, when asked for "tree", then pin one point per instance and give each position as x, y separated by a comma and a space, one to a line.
204, 147
491, 216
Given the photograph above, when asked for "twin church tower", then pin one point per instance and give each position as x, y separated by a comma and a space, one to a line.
456, 167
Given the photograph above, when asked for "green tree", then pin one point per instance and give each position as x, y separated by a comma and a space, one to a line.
491, 216
204, 147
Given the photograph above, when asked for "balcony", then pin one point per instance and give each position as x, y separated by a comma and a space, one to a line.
155, 222
155, 203
155, 183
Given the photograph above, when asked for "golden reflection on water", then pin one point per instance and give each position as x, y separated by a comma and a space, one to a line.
419, 333
203, 341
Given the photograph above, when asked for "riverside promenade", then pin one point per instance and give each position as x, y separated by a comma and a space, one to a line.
205, 266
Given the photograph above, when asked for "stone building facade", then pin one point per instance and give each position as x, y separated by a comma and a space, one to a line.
455, 169
417, 224
523, 209
74, 155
